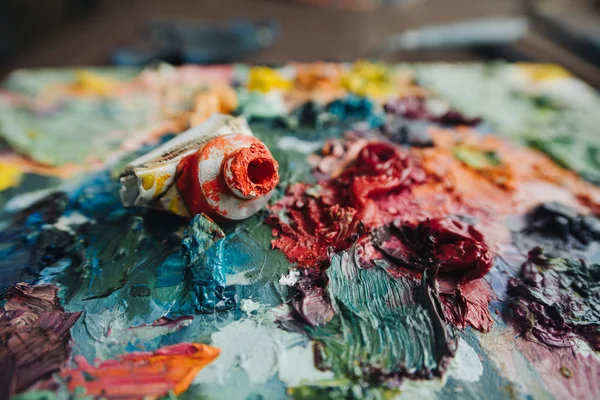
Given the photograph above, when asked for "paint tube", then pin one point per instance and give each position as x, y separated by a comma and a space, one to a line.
218, 168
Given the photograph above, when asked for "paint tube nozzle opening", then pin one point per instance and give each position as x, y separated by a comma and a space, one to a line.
251, 172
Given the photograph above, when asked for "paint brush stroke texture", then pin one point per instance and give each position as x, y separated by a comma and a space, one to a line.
208, 278
398, 191
373, 185
384, 328
142, 374
34, 336
556, 301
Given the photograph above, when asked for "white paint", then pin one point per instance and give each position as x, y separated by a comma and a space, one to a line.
27, 199
262, 350
291, 279
466, 365
291, 143
296, 367
422, 389
238, 279
249, 306
436, 106
66, 222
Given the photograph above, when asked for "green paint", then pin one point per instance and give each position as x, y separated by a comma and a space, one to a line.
382, 327
36, 395
476, 158
72, 128
111, 255
343, 391
560, 117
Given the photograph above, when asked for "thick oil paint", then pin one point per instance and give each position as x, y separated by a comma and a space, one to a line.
359, 343
168, 369
555, 301
389, 263
35, 341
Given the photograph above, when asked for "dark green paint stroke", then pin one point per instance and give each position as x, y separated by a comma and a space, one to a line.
383, 327
111, 255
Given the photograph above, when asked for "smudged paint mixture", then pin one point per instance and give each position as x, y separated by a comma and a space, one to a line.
399, 257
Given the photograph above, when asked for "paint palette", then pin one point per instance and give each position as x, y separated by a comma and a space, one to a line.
434, 233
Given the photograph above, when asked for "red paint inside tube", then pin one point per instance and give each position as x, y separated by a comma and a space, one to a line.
252, 171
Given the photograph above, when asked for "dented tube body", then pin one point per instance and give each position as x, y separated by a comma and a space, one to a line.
218, 168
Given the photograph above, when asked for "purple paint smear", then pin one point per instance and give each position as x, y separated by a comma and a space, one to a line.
34, 336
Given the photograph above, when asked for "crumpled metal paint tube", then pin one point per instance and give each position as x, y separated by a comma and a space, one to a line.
218, 168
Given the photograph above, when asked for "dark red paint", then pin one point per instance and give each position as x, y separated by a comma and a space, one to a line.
447, 245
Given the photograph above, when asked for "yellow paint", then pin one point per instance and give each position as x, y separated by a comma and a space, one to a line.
160, 182
87, 82
32, 134
265, 79
543, 72
368, 79
10, 175
153, 180
177, 206
147, 181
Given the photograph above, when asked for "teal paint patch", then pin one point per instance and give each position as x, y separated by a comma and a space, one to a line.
384, 328
207, 278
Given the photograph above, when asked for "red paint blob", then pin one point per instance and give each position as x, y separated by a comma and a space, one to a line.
443, 244
369, 188
310, 219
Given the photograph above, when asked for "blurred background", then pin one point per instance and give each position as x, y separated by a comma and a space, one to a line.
49, 33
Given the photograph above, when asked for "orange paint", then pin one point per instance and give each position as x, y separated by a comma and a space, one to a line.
142, 374
252, 171
223, 142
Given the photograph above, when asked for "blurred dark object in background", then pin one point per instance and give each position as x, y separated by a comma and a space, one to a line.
186, 42
60, 33
360, 5
24, 23
476, 33
574, 24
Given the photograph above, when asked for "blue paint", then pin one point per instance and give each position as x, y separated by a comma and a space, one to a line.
208, 278
354, 108
97, 197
